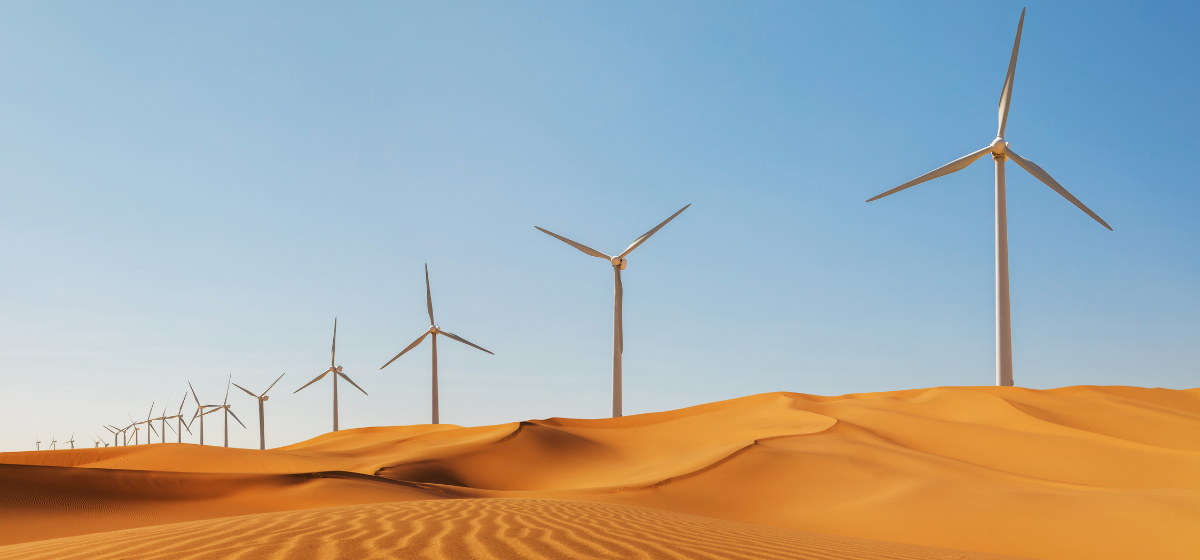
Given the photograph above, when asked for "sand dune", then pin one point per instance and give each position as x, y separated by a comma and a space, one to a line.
483, 529
1096, 472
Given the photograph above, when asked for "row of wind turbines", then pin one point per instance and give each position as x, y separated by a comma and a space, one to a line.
999, 148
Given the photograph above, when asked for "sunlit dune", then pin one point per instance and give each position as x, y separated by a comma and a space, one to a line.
1078, 472
493, 528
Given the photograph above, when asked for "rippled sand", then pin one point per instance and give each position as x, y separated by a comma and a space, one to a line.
478, 529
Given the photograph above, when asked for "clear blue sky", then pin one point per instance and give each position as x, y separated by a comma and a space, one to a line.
193, 190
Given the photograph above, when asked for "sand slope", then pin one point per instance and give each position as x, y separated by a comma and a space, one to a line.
478, 529
1097, 472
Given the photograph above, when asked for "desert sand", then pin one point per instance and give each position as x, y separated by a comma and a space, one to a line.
1077, 472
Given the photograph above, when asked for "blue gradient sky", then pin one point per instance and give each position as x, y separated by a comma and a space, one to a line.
191, 191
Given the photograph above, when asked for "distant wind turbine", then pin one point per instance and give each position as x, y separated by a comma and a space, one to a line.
53, 441
618, 263
1001, 151
72, 440
223, 406
180, 426
262, 431
337, 372
434, 330
39, 444
199, 412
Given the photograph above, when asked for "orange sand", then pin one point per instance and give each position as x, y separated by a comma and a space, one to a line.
1078, 472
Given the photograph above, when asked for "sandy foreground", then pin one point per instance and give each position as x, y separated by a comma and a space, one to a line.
1077, 472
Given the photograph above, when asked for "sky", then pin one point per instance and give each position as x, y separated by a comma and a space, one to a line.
190, 192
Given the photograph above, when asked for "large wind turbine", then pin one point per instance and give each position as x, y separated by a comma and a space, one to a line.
262, 431
434, 330
1001, 151
618, 263
337, 371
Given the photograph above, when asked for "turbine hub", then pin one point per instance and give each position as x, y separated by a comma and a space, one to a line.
338, 369
434, 329
998, 146
619, 262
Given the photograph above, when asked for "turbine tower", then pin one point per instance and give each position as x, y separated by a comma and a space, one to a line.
618, 263
434, 330
1000, 151
337, 371
262, 431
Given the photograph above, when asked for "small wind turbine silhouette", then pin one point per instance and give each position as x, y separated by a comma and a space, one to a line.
53, 441
180, 426
434, 330
337, 372
262, 433
149, 426
199, 412
1001, 151
38, 443
224, 406
618, 263
72, 440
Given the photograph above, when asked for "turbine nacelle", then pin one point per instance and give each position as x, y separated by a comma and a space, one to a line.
434, 329
338, 369
619, 262
998, 146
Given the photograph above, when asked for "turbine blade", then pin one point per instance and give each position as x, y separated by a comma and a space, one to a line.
151, 426
429, 296
151, 413
183, 402
168, 424
246, 390
1006, 92
465, 341
347, 378
1044, 177
647, 235
230, 411
410, 347
333, 351
956, 165
619, 312
319, 377
188, 426
194, 397
273, 384
212, 410
227, 382
579, 246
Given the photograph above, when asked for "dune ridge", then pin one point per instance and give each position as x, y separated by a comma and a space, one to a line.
1097, 472
480, 528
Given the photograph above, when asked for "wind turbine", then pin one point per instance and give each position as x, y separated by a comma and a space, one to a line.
199, 412
149, 425
435, 330
223, 406
162, 421
53, 441
618, 263
72, 440
1001, 151
39, 444
180, 426
262, 433
337, 371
